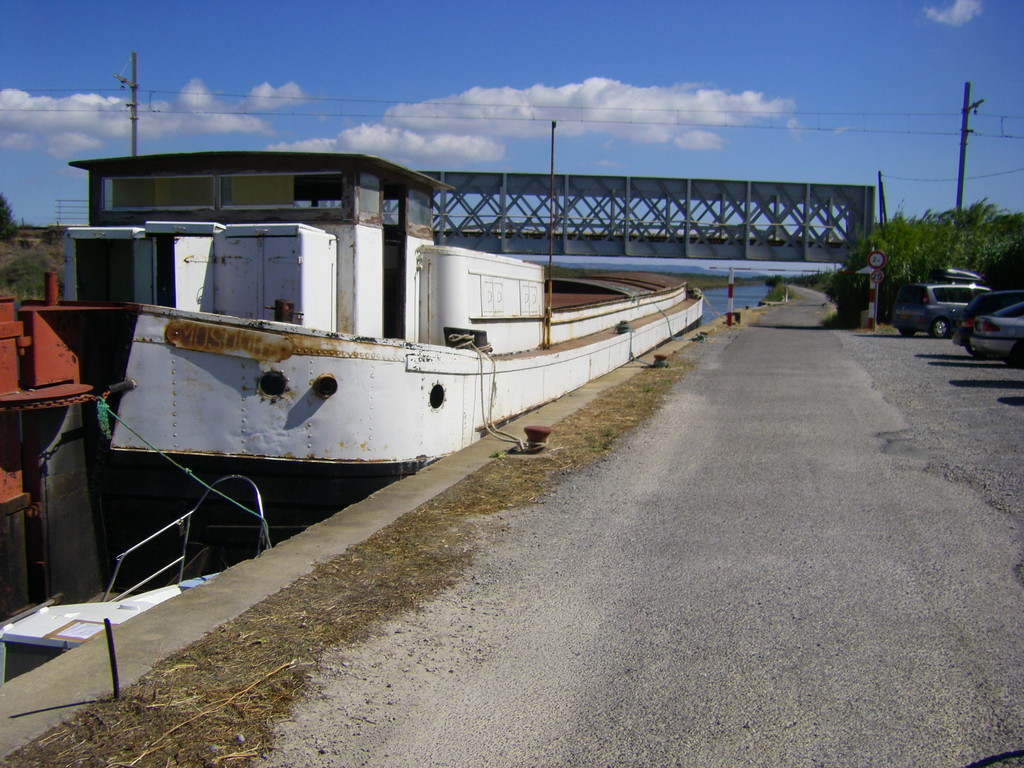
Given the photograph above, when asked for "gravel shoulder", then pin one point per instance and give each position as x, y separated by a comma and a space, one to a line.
809, 557
965, 416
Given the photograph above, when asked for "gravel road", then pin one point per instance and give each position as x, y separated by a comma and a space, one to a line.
808, 558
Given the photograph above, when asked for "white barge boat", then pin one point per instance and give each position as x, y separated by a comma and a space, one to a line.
289, 317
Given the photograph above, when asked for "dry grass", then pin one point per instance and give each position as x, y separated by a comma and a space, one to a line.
215, 703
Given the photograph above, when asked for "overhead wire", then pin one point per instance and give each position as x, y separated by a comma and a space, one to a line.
980, 176
685, 117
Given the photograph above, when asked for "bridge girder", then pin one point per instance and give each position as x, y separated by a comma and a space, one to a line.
653, 217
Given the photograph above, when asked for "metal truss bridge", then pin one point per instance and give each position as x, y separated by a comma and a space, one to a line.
653, 217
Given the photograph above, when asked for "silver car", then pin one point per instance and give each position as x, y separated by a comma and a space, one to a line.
1001, 334
985, 304
931, 308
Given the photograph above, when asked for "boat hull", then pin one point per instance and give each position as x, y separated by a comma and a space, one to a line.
201, 399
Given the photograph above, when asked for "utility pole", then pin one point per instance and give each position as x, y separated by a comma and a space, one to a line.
551, 246
964, 131
133, 105
883, 213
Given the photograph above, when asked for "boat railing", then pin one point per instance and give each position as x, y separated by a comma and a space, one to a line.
183, 524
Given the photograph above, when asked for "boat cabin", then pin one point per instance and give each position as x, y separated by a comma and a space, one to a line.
327, 241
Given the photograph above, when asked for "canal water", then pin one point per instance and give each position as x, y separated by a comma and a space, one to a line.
716, 301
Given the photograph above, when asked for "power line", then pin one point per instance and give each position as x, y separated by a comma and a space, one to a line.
684, 123
306, 99
969, 178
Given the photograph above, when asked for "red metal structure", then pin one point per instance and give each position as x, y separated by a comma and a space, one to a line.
47, 536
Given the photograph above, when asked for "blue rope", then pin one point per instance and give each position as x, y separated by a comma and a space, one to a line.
103, 415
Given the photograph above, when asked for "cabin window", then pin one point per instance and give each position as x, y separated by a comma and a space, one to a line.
392, 211
419, 209
282, 190
369, 196
158, 192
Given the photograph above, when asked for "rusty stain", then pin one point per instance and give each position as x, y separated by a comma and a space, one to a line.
219, 339
251, 342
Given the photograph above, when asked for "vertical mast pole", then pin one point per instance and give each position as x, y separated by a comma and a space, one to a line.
964, 133
883, 214
551, 244
135, 104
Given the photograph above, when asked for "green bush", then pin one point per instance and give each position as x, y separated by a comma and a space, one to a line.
22, 277
7, 224
980, 238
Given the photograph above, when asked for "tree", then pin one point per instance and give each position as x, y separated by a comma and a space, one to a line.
8, 227
980, 238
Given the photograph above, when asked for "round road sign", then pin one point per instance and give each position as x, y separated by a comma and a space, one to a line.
877, 260
877, 276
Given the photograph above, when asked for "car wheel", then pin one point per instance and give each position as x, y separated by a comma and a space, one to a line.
906, 331
1016, 358
940, 328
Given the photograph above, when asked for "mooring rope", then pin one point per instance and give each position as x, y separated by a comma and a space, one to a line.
487, 404
103, 414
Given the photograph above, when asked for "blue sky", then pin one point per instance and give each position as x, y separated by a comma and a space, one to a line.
822, 91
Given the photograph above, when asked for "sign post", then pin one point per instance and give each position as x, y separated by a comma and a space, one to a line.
876, 260
729, 312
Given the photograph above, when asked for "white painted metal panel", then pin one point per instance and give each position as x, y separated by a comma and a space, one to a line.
71, 260
368, 283
382, 411
412, 286
317, 302
236, 278
466, 289
579, 323
258, 265
193, 273
193, 260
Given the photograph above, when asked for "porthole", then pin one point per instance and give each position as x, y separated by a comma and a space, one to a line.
273, 384
436, 396
324, 386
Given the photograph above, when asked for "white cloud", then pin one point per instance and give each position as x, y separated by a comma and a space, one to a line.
60, 125
653, 114
699, 140
308, 145
956, 15
266, 97
475, 126
21, 141
66, 143
433, 146
70, 124
195, 110
404, 146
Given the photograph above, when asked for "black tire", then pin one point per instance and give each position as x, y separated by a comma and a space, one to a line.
941, 328
1016, 358
906, 331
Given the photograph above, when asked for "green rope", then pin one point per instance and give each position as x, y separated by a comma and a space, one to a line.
103, 415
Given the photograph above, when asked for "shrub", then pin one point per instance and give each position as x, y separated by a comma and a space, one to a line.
7, 225
980, 238
22, 277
